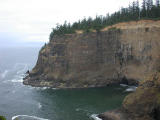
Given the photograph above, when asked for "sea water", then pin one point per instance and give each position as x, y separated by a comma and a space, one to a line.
31, 103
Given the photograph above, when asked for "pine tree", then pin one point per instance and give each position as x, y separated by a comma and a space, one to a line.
138, 9
132, 12
144, 8
157, 3
149, 4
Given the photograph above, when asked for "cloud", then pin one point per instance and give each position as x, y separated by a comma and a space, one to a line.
32, 20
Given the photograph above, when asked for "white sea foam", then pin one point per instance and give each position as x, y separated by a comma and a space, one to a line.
95, 117
123, 85
39, 105
20, 80
54, 88
28, 117
77, 109
43, 88
17, 80
131, 89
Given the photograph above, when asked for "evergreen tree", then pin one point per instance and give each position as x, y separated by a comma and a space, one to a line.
138, 10
144, 8
148, 10
157, 3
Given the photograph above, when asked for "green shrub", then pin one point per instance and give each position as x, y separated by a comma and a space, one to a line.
2, 118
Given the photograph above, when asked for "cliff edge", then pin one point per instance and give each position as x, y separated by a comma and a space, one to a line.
122, 53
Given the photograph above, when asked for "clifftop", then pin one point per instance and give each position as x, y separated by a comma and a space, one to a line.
149, 10
128, 25
135, 25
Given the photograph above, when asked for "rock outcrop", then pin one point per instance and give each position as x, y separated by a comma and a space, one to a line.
143, 104
122, 53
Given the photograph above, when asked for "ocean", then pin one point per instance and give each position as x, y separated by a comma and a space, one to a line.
30, 103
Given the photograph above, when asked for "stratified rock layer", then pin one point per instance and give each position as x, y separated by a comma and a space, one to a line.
124, 52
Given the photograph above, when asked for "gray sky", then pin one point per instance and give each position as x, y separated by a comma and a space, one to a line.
30, 21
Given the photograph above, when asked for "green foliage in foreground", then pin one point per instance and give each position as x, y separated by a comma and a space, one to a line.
134, 11
2, 118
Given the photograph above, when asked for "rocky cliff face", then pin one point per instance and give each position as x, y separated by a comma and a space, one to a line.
143, 104
125, 52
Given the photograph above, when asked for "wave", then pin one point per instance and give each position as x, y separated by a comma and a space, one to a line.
95, 117
78, 109
27, 117
123, 85
17, 80
39, 105
83, 110
20, 80
41, 88
131, 89
44, 88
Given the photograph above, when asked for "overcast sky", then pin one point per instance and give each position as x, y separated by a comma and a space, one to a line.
30, 21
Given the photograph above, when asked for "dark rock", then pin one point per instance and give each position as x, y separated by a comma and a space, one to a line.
143, 104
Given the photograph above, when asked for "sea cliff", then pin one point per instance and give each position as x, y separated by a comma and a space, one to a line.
122, 53
143, 104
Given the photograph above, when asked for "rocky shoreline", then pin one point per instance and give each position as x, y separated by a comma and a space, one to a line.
32, 81
143, 104
126, 54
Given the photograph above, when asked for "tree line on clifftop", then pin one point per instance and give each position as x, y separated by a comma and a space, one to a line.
148, 10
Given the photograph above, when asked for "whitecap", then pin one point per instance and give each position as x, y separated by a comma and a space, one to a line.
27, 117
131, 89
123, 85
54, 88
44, 88
39, 105
17, 80
41, 88
95, 117
82, 110
78, 109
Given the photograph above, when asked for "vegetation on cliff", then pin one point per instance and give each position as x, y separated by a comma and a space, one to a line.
135, 11
2, 118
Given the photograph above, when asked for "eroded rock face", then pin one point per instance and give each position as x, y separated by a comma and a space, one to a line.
146, 100
124, 54
143, 104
